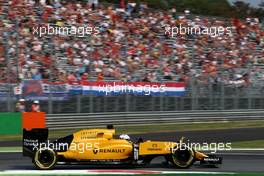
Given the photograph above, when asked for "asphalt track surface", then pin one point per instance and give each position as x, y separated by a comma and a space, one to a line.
233, 161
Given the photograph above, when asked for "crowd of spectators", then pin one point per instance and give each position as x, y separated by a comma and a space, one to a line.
131, 45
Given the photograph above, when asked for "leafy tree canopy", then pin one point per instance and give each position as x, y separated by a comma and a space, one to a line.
222, 8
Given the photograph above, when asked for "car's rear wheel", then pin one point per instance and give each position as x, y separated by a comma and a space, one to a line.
182, 158
45, 159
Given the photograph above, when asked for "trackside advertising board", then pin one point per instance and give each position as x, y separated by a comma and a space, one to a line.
34, 89
122, 88
133, 88
10, 123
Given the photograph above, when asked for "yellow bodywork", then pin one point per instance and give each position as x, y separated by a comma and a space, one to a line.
99, 144
156, 147
162, 148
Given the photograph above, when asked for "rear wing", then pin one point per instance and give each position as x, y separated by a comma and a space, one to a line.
32, 140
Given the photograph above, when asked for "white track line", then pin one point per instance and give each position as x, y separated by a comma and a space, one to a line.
240, 154
100, 172
247, 149
11, 151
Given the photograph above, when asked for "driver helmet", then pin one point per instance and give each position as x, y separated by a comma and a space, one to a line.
36, 102
124, 136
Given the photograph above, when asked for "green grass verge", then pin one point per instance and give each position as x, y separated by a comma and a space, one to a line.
17, 137
248, 144
189, 127
157, 128
10, 149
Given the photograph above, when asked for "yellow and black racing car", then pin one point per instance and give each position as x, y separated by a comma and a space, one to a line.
91, 146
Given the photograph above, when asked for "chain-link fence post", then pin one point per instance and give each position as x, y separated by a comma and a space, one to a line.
8, 69
78, 108
193, 95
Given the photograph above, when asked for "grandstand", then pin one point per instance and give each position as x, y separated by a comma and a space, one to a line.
131, 47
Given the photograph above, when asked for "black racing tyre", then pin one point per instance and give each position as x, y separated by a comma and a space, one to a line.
182, 158
45, 159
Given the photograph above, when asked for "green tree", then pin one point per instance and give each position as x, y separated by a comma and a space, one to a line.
261, 5
222, 8
157, 4
242, 9
203, 7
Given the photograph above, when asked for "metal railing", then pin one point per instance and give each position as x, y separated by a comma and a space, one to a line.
86, 120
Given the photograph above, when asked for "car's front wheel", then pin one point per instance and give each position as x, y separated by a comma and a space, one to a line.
182, 158
45, 159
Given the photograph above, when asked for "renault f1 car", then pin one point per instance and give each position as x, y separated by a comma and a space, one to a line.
91, 146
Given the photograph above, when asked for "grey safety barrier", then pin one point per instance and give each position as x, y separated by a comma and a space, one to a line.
83, 120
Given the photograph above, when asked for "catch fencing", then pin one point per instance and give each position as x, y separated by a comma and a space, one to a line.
197, 97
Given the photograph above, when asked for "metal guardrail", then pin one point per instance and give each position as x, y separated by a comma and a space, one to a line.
74, 121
